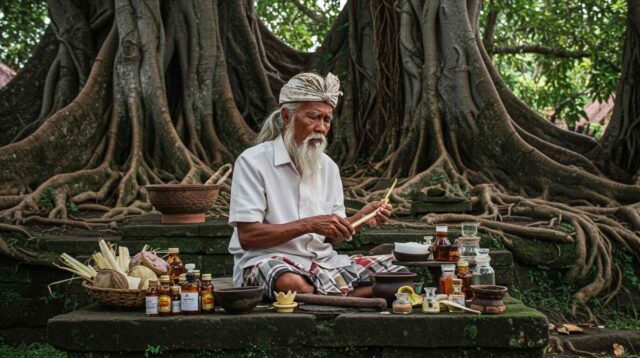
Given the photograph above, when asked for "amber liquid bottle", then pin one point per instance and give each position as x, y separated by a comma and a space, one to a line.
189, 295
206, 294
442, 245
176, 307
151, 299
464, 274
164, 297
176, 265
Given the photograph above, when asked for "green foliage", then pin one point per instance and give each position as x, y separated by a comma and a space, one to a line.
46, 199
153, 350
295, 28
549, 83
31, 350
22, 23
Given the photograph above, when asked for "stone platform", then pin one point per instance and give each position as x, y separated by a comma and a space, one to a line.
95, 332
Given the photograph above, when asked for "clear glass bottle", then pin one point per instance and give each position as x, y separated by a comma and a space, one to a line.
448, 274
457, 296
206, 294
464, 273
176, 265
164, 296
483, 273
441, 245
189, 293
430, 303
175, 300
402, 305
151, 299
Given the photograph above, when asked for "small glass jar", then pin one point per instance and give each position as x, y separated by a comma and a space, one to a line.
430, 303
457, 296
469, 229
468, 246
483, 273
402, 305
464, 274
448, 274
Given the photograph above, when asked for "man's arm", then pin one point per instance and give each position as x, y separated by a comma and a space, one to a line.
254, 236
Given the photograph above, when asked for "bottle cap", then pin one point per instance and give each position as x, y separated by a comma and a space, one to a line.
206, 276
190, 267
174, 250
442, 229
456, 281
463, 263
153, 282
164, 278
482, 259
175, 288
448, 267
197, 272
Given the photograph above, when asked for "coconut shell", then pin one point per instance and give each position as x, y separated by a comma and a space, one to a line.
144, 273
108, 278
155, 263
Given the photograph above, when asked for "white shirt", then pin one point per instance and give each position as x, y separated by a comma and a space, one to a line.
267, 188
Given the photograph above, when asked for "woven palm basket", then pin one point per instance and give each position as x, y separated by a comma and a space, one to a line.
115, 297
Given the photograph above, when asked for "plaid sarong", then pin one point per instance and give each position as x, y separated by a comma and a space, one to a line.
339, 281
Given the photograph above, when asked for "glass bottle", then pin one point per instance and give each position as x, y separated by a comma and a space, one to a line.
189, 295
483, 273
176, 265
198, 281
457, 296
151, 299
164, 296
441, 245
175, 300
430, 303
448, 274
463, 273
402, 305
206, 294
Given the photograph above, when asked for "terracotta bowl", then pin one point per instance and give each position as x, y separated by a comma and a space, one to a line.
182, 203
238, 299
488, 298
386, 285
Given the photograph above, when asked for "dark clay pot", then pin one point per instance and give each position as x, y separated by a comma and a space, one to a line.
386, 285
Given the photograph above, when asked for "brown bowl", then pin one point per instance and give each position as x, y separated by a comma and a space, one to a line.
489, 292
238, 299
401, 256
182, 203
386, 284
488, 298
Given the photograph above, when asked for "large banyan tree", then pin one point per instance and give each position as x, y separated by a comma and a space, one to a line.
121, 94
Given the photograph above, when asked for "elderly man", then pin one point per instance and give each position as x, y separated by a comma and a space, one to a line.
287, 205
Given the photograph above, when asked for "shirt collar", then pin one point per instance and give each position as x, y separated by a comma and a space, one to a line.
280, 153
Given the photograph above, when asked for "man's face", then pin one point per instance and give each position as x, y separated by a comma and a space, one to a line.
311, 117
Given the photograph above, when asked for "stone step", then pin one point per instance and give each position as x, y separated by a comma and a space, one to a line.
519, 332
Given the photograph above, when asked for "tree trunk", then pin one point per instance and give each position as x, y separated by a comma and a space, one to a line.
168, 91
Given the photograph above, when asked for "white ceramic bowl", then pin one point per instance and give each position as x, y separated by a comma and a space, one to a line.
414, 248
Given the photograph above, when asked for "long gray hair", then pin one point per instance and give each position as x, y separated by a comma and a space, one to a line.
273, 125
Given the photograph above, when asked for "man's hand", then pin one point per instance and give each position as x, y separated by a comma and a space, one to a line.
381, 218
333, 227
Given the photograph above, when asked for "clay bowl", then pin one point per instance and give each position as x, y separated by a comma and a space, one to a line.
488, 298
401, 256
182, 203
238, 299
386, 285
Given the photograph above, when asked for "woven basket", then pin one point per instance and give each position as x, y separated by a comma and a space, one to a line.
115, 297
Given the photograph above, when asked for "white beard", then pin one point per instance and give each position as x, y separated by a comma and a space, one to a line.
306, 155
